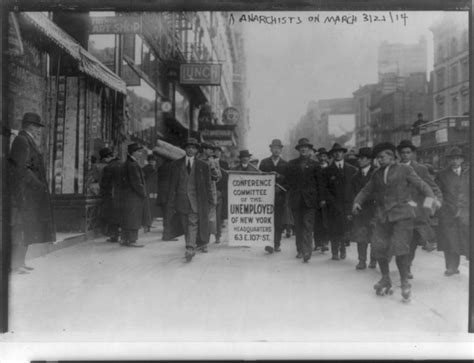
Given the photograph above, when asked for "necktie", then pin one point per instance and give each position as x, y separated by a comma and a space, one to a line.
385, 174
188, 167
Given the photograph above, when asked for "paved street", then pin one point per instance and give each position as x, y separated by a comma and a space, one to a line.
99, 291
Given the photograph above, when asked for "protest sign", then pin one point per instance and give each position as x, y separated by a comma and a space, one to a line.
251, 208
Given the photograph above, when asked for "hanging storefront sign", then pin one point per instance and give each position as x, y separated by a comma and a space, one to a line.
250, 208
200, 74
116, 25
230, 115
217, 132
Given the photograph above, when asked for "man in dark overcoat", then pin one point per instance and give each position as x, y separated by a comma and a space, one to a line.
32, 214
321, 222
340, 195
423, 232
110, 193
221, 186
275, 164
394, 216
134, 211
305, 190
191, 196
453, 228
363, 222
244, 161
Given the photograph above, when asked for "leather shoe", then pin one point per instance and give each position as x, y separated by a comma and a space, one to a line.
277, 249
269, 249
373, 264
189, 254
335, 257
204, 249
343, 255
306, 258
299, 255
28, 268
169, 239
361, 265
324, 248
451, 272
134, 244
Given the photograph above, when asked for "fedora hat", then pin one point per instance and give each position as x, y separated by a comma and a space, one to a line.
208, 145
104, 152
31, 118
406, 143
303, 142
322, 150
337, 147
134, 147
383, 146
455, 151
191, 141
244, 154
365, 151
276, 142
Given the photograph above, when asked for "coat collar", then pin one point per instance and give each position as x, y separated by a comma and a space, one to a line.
30, 139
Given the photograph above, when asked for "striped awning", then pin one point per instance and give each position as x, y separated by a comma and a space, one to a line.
87, 63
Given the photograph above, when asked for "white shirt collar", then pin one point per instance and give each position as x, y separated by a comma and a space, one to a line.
457, 170
340, 163
365, 169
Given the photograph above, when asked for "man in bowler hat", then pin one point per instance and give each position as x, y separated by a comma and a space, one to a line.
393, 230
135, 212
275, 164
306, 191
340, 196
321, 223
423, 232
454, 213
191, 195
221, 186
363, 222
32, 214
244, 161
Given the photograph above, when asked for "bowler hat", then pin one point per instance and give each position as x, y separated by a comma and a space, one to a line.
322, 150
208, 145
303, 142
192, 141
276, 142
103, 153
455, 151
406, 143
337, 147
244, 154
365, 152
31, 118
383, 146
133, 147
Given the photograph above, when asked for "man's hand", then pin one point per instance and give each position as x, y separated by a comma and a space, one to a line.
356, 208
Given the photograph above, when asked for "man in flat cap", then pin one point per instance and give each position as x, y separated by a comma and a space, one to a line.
363, 222
340, 195
135, 212
453, 215
393, 230
32, 215
305, 189
275, 164
191, 196
423, 232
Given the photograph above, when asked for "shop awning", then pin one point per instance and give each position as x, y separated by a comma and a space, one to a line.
88, 64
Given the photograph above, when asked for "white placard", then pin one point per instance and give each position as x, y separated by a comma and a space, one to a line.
251, 209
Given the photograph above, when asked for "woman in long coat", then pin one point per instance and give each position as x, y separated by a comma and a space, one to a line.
453, 228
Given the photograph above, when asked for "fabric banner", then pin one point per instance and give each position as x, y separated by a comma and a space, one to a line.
251, 204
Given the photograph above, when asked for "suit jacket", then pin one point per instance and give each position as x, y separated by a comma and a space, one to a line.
240, 167
305, 185
392, 198
32, 209
222, 183
180, 195
267, 165
110, 191
358, 182
340, 194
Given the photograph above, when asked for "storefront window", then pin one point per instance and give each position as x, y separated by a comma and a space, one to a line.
141, 107
102, 46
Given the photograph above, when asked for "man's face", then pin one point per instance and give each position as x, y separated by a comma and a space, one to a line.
191, 150
323, 158
364, 161
36, 132
456, 161
208, 151
276, 151
338, 155
304, 151
218, 153
244, 160
385, 158
406, 154
152, 162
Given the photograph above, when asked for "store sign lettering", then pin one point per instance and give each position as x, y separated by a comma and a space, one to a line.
200, 74
116, 25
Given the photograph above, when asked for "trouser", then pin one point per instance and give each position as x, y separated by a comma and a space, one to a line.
278, 219
19, 248
304, 222
338, 244
403, 265
452, 260
113, 230
362, 248
190, 223
130, 235
321, 231
219, 216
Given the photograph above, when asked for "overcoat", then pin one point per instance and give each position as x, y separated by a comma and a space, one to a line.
110, 191
267, 165
340, 196
221, 186
177, 200
304, 184
32, 213
134, 209
453, 228
362, 222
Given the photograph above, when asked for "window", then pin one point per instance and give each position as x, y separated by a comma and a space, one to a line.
465, 40
454, 75
440, 110
454, 105
454, 46
465, 103
440, 56
439, 79
465, 70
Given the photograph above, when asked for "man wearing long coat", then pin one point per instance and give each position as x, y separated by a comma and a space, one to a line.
134, 211
305, 189
32, 215
340, 195
110, 184
453, 215
191, 196
221, 186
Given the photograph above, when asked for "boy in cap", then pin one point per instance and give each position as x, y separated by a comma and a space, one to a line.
393, 229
